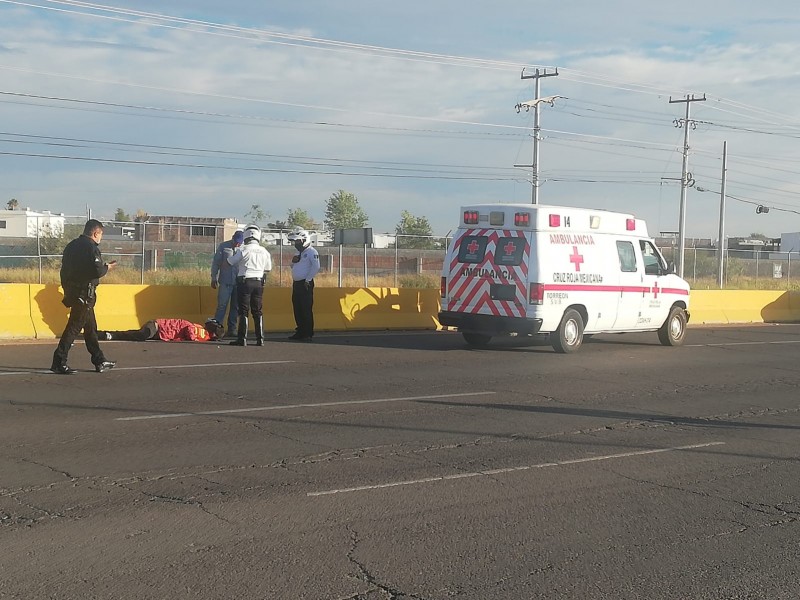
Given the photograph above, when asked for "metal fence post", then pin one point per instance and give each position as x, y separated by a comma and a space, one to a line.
341, 268
144, 225
38, 247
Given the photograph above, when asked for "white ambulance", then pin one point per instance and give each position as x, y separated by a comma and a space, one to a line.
524, 269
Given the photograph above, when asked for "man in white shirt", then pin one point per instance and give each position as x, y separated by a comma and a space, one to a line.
254, 262
305, 265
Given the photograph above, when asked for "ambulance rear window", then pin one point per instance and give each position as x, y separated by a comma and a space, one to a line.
509, 251
472, 249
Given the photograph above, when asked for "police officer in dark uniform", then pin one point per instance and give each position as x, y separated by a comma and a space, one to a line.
82, 266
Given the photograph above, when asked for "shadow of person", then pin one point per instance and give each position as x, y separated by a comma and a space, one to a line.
49, 315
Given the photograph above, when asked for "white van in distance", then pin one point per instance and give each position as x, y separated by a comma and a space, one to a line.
530, 269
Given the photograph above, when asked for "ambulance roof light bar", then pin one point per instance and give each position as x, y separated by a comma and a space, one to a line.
470, 217
522, 219
630, 224
555, 220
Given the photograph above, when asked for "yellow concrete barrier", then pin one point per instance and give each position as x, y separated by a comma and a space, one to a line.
36, 311
384, 308
744, 306
15, 312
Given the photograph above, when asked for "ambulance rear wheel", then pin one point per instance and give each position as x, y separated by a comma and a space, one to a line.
479, 340
569, 336
673, 331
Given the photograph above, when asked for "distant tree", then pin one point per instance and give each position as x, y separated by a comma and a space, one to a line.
52, 241
344, 212
256, 215
121, 217
410, 225
758, 236
12, 204
141, 216
298, 217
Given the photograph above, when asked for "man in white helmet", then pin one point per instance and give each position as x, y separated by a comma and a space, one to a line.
305, 265
254, 262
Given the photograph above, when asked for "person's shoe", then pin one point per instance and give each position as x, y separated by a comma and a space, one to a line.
104, 366
259, 342
296, 336
63, 370
237, 342
104, 335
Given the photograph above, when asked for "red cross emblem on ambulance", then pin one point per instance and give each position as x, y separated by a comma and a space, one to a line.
575, 258
509, 248
472, 247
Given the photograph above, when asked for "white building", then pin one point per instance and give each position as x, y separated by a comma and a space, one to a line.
27, 223
281, 238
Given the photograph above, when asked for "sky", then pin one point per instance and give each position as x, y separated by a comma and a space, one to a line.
201, 108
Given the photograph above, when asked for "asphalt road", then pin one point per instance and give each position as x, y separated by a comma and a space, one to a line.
405, 465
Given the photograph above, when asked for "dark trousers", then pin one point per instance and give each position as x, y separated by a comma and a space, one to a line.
81, 316
303, 306
250, 296
148, 331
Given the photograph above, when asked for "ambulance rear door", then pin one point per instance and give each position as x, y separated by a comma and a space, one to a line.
488, 272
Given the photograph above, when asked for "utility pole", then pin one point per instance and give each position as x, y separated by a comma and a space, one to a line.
538, 74
721, 243
684, 179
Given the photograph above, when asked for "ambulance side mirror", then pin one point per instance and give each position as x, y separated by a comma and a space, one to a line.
670, 268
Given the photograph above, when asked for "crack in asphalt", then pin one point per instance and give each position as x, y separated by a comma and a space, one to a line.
366, 576
793, 516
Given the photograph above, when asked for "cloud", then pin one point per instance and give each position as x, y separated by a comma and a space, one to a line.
293, 110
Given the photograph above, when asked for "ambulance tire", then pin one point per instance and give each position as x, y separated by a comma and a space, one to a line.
477, 340
569, 335
673, 331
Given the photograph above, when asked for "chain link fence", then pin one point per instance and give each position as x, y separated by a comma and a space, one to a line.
180, 253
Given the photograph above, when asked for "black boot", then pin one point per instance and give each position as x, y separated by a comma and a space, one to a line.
241, 333
258, 323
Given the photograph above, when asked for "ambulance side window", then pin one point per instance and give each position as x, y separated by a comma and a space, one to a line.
653, 263
627, 257
472, 249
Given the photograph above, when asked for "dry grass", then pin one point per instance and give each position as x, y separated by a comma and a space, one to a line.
201, 277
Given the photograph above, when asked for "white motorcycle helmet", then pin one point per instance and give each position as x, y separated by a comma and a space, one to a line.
298, 233
252, 232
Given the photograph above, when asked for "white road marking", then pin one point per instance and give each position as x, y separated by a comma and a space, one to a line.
310, 405
154, 367
744, 343
558, 463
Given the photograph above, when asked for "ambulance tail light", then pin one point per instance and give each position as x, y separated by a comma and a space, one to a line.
630, 224
522, 219
470, 217
443, 287
555, 220
536, 293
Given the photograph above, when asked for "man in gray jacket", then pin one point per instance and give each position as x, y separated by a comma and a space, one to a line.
223, 279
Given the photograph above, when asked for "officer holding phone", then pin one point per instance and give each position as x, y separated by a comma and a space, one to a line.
82, 266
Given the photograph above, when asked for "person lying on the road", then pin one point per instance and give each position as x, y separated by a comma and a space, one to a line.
168, 330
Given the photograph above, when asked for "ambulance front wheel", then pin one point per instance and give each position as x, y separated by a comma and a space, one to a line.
479, 340
569, 336
673, 331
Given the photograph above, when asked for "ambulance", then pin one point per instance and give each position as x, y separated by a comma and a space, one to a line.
561, 272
